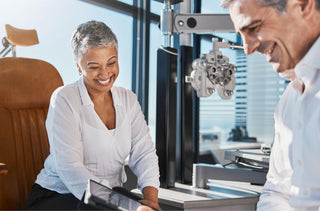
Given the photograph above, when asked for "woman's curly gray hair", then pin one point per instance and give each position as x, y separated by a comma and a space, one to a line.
92, 34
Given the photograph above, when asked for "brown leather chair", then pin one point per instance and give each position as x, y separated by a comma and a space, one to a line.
25, 89
3, 169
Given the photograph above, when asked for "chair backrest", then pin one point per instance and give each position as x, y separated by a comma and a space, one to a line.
25, 89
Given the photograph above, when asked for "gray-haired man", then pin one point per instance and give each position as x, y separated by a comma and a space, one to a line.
287, 32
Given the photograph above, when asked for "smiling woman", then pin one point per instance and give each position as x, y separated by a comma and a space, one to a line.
100, 68
95, 50
93, 127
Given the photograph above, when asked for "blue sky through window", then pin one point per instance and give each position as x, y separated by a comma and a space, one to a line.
55, 20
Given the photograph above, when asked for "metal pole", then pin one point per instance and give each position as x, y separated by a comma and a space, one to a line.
166, 23
185, 38
14, 52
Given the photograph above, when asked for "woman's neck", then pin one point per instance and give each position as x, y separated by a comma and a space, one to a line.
98, 98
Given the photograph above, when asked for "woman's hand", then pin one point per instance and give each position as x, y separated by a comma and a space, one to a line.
149, 206
144, 208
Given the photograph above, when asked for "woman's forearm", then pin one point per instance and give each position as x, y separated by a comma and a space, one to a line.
150, 194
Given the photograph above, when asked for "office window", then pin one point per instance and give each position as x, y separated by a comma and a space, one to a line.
156, 7
209, 6
130, 2
155, 43
55, 20
258, 89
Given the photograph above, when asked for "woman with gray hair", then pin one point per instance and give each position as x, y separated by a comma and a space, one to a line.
93, 127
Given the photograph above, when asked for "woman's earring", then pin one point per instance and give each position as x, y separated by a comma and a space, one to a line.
80, 73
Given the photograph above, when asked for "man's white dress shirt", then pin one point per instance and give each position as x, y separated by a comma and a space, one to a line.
293, 180
82, 147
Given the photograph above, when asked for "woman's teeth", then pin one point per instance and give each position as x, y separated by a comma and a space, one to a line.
104, 82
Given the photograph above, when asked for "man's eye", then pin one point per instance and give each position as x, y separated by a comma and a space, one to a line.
111, 63
253, 29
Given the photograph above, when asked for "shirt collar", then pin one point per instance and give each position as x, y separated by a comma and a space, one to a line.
307, 68
115, 97
85, 98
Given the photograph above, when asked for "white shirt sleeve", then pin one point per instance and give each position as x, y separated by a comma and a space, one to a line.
64, 133
143, 159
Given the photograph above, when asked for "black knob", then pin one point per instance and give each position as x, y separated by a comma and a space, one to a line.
191, 22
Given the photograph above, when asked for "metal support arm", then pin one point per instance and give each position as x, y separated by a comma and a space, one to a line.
197, 23
177, 23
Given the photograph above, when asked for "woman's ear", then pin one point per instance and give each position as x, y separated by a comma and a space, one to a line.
79, 69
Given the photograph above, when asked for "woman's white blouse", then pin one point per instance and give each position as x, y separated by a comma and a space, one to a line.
82, 147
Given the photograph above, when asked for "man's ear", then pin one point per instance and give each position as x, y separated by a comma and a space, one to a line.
307, 7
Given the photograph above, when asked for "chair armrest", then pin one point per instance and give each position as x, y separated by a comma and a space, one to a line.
3, 169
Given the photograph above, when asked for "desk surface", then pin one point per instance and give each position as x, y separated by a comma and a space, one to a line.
221, 195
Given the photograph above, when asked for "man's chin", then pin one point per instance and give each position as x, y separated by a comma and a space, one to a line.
288, 74
277, 67
284, 72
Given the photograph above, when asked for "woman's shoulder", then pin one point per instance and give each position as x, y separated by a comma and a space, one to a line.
124, 95
69, 90
122, 91
66, 98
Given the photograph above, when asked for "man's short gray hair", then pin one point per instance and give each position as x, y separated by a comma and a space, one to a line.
280, 5
92, 34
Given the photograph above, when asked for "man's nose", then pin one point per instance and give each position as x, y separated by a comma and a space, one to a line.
250, 44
